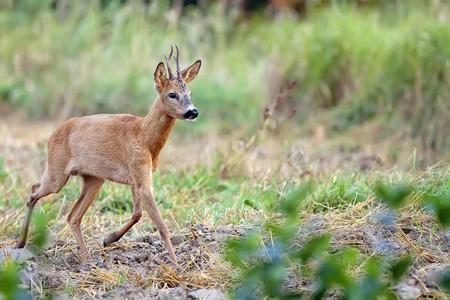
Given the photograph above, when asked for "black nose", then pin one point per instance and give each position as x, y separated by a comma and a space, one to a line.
191, 114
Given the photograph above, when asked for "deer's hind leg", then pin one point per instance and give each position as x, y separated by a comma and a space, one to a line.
48, 185
91, 188
137, 214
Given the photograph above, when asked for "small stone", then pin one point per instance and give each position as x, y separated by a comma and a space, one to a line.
178, 292
391, 228
157, 244
124, 291
400, 285
176, 240
409, 292
433, 277
16, 255
59, 295
207, 294
447, 237
32, 248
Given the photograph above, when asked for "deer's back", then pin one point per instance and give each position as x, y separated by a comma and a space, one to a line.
97, 145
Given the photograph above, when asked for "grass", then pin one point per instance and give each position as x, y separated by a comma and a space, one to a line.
193, 193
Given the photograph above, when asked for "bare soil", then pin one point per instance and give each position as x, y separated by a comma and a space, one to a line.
136, 269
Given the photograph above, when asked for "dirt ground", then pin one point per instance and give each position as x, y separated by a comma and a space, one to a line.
142, 265
141, 269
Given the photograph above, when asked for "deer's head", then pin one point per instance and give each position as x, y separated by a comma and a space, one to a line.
173, 91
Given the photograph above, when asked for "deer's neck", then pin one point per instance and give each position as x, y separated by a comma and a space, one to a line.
156, 127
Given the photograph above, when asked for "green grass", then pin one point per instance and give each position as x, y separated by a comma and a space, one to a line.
202, 194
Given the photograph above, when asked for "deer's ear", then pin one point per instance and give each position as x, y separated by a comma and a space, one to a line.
160, 75
191, 72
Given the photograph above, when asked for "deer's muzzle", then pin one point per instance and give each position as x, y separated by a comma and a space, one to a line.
191, 114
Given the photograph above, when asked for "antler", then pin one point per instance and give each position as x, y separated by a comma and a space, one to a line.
168, 62
178, 63
176, 57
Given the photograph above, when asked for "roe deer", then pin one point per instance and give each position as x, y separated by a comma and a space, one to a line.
121, 148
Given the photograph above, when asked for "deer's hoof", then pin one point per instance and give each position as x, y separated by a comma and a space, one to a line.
20, 244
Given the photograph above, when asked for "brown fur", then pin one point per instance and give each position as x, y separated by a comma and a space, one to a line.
121, 148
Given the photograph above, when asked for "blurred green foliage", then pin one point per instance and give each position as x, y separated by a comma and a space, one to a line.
396, 196
3, 172
264, 260
386, 59
446, 281
441, 206
9, 281
41, 223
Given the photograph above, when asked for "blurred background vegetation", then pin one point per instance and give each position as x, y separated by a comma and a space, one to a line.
355, 62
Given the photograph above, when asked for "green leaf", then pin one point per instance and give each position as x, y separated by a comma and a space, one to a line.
289, 206
41, 230
399, 268
273, 276
9, 280
330, 273
367, 288
445, 281
372, 267
284, 232
238, 251
441, 205
314, 246
370, 286
250, 204
393, 196
443, 215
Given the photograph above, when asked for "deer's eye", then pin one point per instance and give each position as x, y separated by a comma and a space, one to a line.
172, 96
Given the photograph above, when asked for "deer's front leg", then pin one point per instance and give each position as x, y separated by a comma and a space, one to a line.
142, 183
146, 195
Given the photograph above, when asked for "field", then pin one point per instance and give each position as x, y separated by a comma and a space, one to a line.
339, 189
